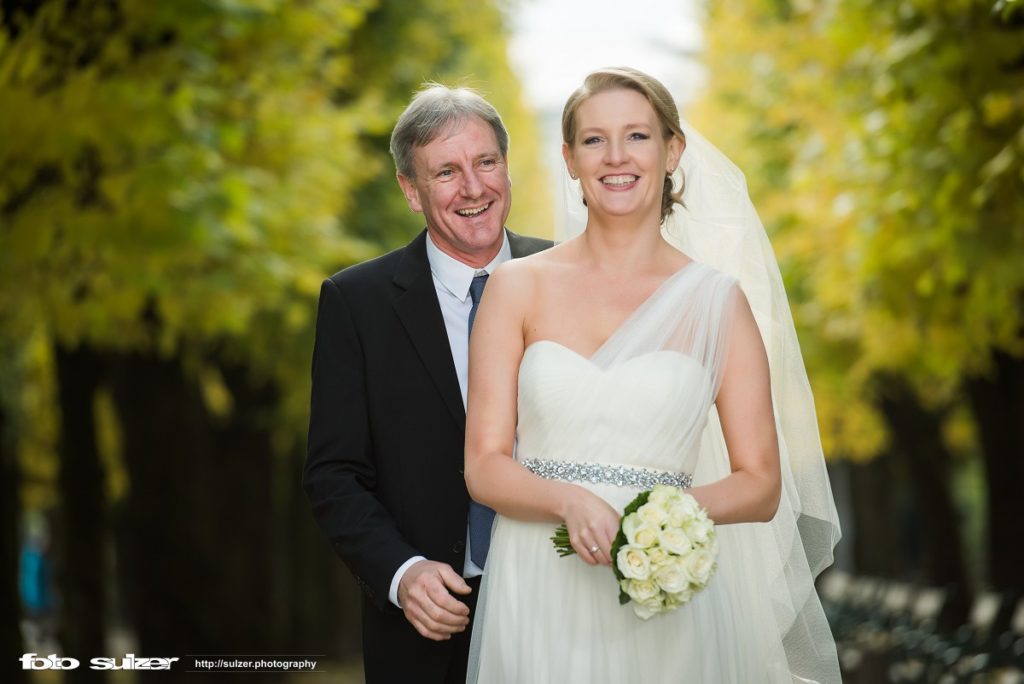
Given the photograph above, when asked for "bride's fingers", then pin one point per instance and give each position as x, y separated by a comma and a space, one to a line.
586, 550
598, 550
592, 526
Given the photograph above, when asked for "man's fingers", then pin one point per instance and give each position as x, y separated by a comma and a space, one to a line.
436, 632
445, 608
454, 581
437, 611
435, 620
434, 602
439, 594
429, 633
439, 606
429, 606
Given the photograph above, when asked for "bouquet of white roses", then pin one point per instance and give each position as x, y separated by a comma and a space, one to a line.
665, 551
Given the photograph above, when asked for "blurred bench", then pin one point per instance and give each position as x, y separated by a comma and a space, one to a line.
888, 630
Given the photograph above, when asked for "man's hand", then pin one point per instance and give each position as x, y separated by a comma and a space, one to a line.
423, 593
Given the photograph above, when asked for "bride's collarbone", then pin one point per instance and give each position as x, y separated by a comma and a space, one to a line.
583, 329
586, 316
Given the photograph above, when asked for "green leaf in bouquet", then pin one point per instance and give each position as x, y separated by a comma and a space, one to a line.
620, 539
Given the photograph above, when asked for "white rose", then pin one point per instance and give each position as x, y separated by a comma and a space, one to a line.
658, 556
633, 563
674, 540
699, 565
645, 610
672, 577
684, 509
652, 514
663, 495
646, 537
642, 590
679, 598
630, 523
699, 530
639, 533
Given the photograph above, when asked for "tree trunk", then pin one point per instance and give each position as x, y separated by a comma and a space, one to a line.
878, 528
10, 605
997, 402
917, 438
250, 521
197, 533
82, 525
162, 562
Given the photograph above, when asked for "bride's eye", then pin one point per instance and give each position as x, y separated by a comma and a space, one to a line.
637, 135
591, 140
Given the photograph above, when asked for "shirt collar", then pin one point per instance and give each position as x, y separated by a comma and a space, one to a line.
456, 276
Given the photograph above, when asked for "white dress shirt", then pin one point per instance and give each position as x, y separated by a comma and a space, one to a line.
451, 280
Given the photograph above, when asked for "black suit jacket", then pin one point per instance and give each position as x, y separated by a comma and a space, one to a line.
384, 469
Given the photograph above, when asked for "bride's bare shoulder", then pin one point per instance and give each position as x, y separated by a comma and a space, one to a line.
512, 285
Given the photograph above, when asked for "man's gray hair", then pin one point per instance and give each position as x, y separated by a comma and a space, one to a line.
432, 110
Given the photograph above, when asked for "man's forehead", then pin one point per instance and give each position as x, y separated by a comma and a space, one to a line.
454, 128
452, 137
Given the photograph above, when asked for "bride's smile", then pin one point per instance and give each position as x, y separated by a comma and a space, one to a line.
621, 155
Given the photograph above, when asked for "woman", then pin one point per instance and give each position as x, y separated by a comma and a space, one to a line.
616, 348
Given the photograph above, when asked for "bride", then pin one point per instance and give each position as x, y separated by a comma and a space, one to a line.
657, 343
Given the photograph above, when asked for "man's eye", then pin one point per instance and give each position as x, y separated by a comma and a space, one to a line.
444, 173
488, 162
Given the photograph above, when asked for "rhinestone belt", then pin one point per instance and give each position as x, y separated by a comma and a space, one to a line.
601, 473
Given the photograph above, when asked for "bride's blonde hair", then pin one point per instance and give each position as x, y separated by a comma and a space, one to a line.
625, 78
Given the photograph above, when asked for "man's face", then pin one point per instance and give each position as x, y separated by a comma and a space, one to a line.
463, 189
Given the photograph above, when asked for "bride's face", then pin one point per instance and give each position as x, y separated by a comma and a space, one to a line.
620, 154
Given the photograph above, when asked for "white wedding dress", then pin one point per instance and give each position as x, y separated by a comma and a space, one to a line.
643, 406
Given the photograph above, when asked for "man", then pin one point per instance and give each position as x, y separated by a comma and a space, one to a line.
384, 471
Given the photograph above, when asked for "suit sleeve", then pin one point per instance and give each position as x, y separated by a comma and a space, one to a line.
340, 473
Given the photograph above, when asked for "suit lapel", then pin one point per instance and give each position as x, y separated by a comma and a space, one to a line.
521, 246
418, 310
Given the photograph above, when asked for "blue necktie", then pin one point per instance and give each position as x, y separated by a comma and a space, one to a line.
480, 517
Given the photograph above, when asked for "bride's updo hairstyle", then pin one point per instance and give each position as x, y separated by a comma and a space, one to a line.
625, 78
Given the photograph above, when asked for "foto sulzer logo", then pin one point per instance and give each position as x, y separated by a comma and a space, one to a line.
34, 661
31, 661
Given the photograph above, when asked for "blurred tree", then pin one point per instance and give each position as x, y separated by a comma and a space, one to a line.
10, 547
884, 144
176, 179
394, 53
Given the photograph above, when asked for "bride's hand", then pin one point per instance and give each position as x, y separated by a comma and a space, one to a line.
592, 526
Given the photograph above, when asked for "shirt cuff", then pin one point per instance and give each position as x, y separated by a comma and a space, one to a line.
396, 580
469, 568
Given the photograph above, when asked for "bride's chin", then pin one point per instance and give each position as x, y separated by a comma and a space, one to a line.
638, 215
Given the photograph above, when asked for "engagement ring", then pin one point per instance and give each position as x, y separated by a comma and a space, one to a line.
593, 549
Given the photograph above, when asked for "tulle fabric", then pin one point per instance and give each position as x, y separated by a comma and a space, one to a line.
646, 399
719, 226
